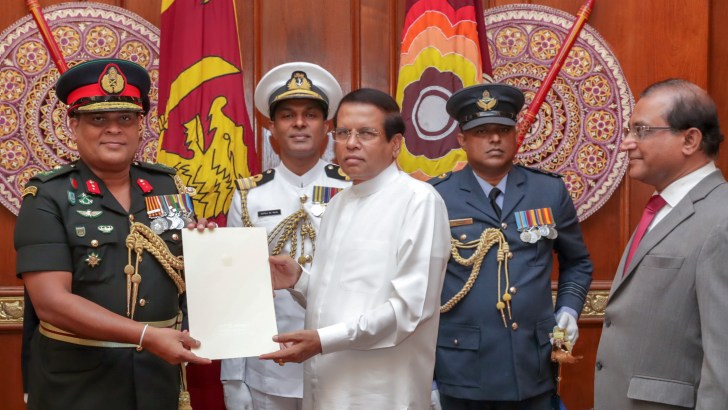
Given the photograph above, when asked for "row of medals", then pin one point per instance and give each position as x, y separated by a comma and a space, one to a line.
534, 234
168, 222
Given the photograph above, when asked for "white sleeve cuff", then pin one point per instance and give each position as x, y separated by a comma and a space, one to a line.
333, 338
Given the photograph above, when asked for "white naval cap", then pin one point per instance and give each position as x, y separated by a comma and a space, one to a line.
297, 80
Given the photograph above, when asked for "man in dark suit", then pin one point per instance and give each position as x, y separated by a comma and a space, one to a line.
493, 348
664, 343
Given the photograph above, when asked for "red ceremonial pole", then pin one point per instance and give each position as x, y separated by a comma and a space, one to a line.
530, 116
45, 32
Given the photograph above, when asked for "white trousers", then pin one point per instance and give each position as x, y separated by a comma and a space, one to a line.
238, 396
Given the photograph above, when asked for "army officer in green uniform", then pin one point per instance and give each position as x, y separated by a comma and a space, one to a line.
98, 247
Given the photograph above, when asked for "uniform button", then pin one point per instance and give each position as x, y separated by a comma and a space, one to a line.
504, 226
514, 326
513, 290
95, 243
599, 365
303, 198
463, 237
175, 237
456, 342
142, 302
510, 255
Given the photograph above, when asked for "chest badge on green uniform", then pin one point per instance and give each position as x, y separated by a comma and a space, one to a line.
80, 231
87, 213
106, 228
144, 185
71, 198
93, 259
85, 199
92, 187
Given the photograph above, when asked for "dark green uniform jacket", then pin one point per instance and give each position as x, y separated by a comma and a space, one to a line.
70, 222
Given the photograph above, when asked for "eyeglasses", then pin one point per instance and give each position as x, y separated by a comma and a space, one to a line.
641, 132
362, 134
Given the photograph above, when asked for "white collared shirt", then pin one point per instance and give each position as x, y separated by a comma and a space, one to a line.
678, 189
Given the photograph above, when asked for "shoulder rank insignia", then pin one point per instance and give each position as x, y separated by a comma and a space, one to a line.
30, 190
440, 178
335, 172
541, 171
55, 172
156, 167
248, 183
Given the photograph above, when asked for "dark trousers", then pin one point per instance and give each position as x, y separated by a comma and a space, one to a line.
540, 402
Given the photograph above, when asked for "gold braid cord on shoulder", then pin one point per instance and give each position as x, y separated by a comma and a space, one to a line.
288, 229
482, 245
142, 238
182, 188
244, 208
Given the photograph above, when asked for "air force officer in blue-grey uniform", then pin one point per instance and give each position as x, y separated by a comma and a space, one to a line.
493, 348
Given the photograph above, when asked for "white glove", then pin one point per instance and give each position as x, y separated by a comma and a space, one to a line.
566, 321
435, 400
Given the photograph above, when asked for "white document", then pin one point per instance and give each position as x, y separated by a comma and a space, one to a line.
229, 292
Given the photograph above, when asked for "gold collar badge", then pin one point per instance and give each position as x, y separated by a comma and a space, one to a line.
487, 102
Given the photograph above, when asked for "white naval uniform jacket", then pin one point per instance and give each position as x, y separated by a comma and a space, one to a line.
268, 204
373, 294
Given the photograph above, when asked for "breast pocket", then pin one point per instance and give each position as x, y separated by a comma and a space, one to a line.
365, 265
661, 273
92, 253
662, 262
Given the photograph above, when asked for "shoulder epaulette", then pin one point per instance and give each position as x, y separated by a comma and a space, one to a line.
334, 171
247, 183
440, 178
541, 171
156, 167
54, 173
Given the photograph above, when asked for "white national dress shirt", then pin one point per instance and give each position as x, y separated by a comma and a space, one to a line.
373, 293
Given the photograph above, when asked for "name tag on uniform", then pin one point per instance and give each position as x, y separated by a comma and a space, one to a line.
272, 212
461, 222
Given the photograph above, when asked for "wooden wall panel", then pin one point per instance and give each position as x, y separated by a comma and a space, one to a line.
381, 33
717, 67
11, 391
358, 41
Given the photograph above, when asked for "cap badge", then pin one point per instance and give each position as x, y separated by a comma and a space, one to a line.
487, 102
112, 80
299, 81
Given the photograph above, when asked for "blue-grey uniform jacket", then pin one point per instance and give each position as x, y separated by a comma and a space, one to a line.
478, 358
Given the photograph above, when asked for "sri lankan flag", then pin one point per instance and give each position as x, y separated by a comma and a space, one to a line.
444, 49
204, 128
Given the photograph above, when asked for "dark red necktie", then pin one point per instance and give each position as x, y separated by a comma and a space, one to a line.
653, 207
